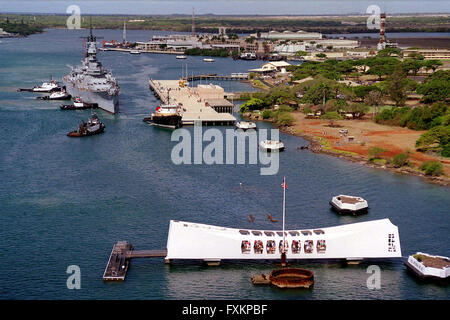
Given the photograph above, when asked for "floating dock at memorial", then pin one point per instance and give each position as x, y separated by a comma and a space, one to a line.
205, 103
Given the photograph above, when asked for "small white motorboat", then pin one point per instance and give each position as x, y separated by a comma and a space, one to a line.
429, 267
57, 95
245, 125
271, 145
349, 204
181, 57
208, 60
135, 52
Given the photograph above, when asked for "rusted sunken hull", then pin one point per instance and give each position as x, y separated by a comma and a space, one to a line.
292, 278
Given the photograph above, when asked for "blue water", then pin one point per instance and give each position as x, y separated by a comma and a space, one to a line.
67, 201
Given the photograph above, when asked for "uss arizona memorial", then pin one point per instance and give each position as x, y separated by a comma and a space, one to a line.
357, 241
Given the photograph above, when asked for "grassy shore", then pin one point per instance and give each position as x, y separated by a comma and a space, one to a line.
366, 135
243, 24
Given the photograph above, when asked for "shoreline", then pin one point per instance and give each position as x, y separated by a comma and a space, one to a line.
316, 146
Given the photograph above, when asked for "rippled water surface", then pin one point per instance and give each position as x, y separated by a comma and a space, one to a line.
67, 201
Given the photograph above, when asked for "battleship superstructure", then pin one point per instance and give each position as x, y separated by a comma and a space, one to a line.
92, 82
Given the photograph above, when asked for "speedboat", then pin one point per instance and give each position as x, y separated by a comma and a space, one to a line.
78, 104
208, 60
181, 57
429, 267
271, 145
57, 95
245, 125
349, 204
166, 115
135, 52
92, 127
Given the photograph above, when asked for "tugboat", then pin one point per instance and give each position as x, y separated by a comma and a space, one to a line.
245, 125
349, 204
92, 127
271, 145
429, 267
57, 95
78, 104
167, 116
45, 87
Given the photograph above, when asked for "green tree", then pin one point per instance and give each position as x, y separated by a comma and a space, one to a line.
375, 153
252, 104
400, 160
397, 86
432, 168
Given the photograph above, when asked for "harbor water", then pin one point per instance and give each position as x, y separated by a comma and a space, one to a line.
67, 201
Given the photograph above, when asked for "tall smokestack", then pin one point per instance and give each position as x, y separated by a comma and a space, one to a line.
383, 28
193, 23
124, 34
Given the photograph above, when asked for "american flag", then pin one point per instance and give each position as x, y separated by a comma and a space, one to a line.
284, 185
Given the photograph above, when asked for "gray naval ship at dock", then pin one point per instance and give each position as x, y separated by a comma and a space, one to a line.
92, 82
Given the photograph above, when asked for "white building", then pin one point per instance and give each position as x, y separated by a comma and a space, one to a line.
4, 34
273, 66
289, 35
357, 241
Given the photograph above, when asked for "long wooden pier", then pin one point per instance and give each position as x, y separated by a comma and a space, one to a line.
119, 260
194, 107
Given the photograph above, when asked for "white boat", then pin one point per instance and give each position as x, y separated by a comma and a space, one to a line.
47, 87
245, 125
135, 52
181, 57
208, 60
271, 145
57, 95
428, 266
349, 204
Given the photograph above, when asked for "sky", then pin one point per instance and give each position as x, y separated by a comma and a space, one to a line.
222, 7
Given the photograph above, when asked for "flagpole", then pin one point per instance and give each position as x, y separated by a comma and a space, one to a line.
283, 251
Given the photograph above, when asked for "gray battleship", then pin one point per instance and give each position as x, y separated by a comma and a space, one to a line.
92, 82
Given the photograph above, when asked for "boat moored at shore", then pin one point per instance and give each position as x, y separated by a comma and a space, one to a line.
166, 115
271, 145
245, 125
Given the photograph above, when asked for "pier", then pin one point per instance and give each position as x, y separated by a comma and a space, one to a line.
205, 103
119, 260
214, 76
